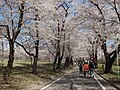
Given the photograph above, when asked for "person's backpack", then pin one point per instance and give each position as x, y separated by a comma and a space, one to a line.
85, 67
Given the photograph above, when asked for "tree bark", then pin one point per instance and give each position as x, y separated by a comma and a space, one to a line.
57, 57
54, 63
10, 61
110, 58
60, 58
95, 59
71, 60
67, 62
34, 70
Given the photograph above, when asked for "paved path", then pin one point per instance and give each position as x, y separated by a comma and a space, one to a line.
75, 81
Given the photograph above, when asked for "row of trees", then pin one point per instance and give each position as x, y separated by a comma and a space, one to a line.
59, 25
108, 19
32, 22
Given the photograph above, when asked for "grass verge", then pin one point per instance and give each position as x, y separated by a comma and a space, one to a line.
22, 76
111, 77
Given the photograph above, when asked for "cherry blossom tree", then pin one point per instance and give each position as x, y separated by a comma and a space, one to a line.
11, 24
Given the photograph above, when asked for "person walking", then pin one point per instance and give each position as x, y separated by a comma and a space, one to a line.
85, 68
80, 67
91, 69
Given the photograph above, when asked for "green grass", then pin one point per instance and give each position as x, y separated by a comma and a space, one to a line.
114, 68
22, 76
112, 77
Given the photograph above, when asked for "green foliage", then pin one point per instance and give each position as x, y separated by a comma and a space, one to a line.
113, 75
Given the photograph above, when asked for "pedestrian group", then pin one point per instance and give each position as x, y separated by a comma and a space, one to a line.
86, 67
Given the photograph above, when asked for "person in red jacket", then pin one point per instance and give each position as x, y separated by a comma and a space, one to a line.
85, 68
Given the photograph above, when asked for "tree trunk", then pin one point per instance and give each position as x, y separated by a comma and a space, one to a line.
57, 57
110, 61
95, 59
54, 63
67, 61
59, 63
110, 58
10, 61
60, 58
107, 65
107, 58
71, 60
34, 70
2, 53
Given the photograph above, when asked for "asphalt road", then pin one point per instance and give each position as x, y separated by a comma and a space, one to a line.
76, 81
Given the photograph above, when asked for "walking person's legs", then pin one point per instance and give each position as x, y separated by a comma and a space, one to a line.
85, 74
92, 72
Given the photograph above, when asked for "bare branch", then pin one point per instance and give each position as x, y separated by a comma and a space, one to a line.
7, 28
31, 54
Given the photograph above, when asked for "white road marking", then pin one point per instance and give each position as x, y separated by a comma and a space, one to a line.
104, 88
67, 74
100, 83
55, 81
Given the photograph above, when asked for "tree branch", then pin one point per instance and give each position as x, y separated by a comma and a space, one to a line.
50, 50
20, 23
31, 54
8, 32
116, 10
